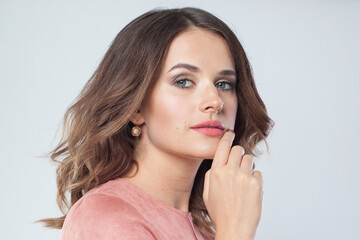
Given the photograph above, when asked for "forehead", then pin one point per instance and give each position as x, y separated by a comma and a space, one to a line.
202, 48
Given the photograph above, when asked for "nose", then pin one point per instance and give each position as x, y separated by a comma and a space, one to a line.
211, 102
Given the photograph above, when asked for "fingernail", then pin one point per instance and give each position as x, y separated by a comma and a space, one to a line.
233, 138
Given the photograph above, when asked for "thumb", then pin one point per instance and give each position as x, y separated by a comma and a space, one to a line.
206, 186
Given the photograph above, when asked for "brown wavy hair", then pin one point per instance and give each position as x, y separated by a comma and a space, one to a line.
96, 144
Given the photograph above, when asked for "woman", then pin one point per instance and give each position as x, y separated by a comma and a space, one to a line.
159, 143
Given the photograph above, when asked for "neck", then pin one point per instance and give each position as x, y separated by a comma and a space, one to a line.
164, 176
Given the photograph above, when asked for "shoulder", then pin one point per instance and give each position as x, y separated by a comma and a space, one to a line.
102, 216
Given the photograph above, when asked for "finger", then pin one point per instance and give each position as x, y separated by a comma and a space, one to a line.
247, 163
223, 150
206, 185
235, 156
258, 175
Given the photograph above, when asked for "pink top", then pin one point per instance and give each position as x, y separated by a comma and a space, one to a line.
118, 209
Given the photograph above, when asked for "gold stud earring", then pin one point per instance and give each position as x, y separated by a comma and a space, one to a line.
136, 131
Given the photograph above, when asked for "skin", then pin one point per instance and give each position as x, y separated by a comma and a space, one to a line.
169, 147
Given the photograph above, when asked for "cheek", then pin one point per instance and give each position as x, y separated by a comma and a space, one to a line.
233, 112
230, 111
167, 111
166, 120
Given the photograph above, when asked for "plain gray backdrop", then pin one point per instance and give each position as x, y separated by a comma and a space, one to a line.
305, 56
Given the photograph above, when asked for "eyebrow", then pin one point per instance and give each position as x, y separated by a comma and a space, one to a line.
193, 68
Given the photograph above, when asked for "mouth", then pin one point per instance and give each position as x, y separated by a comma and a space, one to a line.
210, 128
209, 131
210, 124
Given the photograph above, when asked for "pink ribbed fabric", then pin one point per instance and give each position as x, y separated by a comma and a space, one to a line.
118, 209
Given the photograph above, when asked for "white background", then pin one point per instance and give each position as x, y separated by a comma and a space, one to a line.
305, 56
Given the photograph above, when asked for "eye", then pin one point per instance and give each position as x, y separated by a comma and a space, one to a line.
224, 85
183, 83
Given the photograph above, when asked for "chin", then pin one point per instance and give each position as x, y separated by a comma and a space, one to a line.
209, 156
205, 152
199, 152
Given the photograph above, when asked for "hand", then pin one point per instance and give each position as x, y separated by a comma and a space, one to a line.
232, 192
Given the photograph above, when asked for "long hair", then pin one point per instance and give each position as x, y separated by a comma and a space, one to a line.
96, 145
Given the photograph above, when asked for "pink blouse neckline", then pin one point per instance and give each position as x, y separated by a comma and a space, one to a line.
147, 196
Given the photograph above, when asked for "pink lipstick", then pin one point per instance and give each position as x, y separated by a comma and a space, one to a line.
209, 128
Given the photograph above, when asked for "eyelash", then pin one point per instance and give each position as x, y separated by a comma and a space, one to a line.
231, 85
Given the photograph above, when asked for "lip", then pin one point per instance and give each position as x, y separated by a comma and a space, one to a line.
210, 124
210, 128
210, 131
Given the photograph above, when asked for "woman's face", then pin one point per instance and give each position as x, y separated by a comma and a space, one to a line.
196, 85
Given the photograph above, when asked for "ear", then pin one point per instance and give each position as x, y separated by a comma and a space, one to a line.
137, 118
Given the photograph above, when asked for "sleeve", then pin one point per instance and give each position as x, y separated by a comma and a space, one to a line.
102, 217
